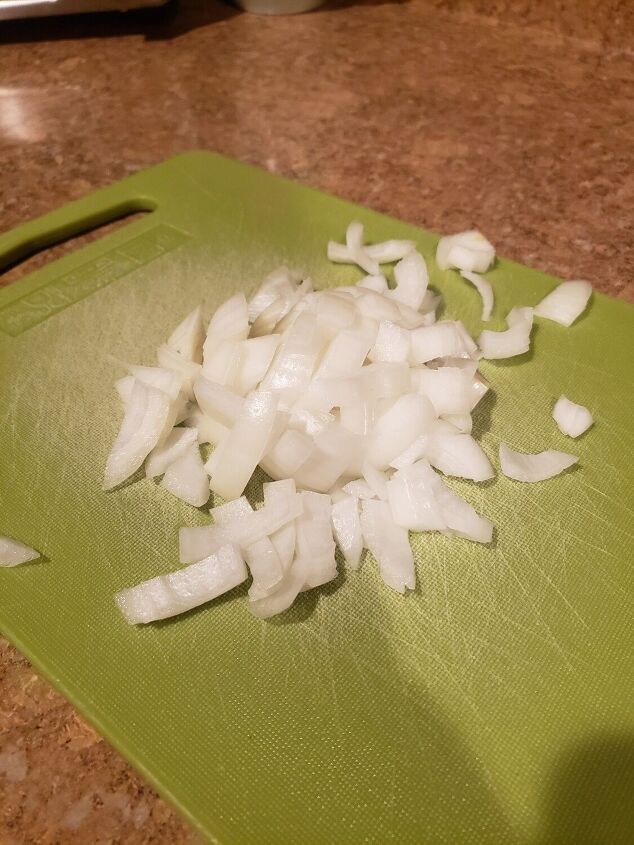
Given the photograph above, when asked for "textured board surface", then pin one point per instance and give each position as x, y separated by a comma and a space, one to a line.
494, 704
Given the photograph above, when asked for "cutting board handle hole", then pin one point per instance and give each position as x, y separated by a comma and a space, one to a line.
47, 246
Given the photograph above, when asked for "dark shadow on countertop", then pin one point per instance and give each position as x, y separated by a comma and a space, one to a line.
160, 23
590, 796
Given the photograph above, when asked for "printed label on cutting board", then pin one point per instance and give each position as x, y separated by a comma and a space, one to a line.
59, 293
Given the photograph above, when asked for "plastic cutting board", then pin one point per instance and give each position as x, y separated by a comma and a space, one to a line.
492, 705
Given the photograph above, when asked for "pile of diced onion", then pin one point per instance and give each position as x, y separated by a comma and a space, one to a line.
356, 401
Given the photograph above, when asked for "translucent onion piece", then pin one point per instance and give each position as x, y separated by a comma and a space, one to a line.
284, 593
410, 416
146, 415
412, 278
232, 463
469, 251
296, 359
218, 401
392, 343
442, 340
514, 341
315, 542
186, 478
188, 337
359, 489
346, 525
284, 538
345, 355
280, 282
484, 289
384, 379
458, 455
413, 453
13, 553
375, 283
543, 465
163, 379
389, 543
254, 359
170, 450
320, 472
169, 595
375, 479
124, 387
572, 419
172, 360
449, 389
388, 251
412, 498
199, 541
222, 362
287, 455
567, 302
230, 322
208, 429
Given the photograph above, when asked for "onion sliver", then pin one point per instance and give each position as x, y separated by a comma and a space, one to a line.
484, 289
389, 543
233, 461
13, 553
538, 467
169, 595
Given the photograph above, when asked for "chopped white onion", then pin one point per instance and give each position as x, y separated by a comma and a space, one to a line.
232, 462
387, 252
411, 278
277, 284
375, 283
13, 553
410, 416
567, 302
514, 341
572, 419
169, 595
543, 465
442, 340
315, 542
389, 543
392, 343
484, 289
170, 450
469, 251
188, 337
346, 525
186, 477
230, 322
458, 455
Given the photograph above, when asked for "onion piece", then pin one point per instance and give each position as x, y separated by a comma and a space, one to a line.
375, 479
284, 593
146, 416
411, 495
169, 595
202, 540
188, 337
389, 543
345, 355
469, 251
514, 341
458, 455
359, 418
232, 463
170, 359
376, 283
230, 322
385, 379
412, 278
315, 544
572, 419
463, 422
320, 472
296, 359
286, 456
186, 478
285, 537
217, 401
281, 282
170, 450
392, 343
449, 389
413, 453
124, 387
538, 467
387, 252
484, 289
254, 359
208, 429
567, 302
442, 340
346, 526
359, 489
410, 416
222, 362
163, 379
13, 553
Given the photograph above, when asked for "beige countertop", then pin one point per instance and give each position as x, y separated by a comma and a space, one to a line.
518, 122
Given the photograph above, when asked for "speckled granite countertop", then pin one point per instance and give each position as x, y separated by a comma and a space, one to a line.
520, 122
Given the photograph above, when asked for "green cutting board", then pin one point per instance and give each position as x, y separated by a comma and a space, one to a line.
492, 705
